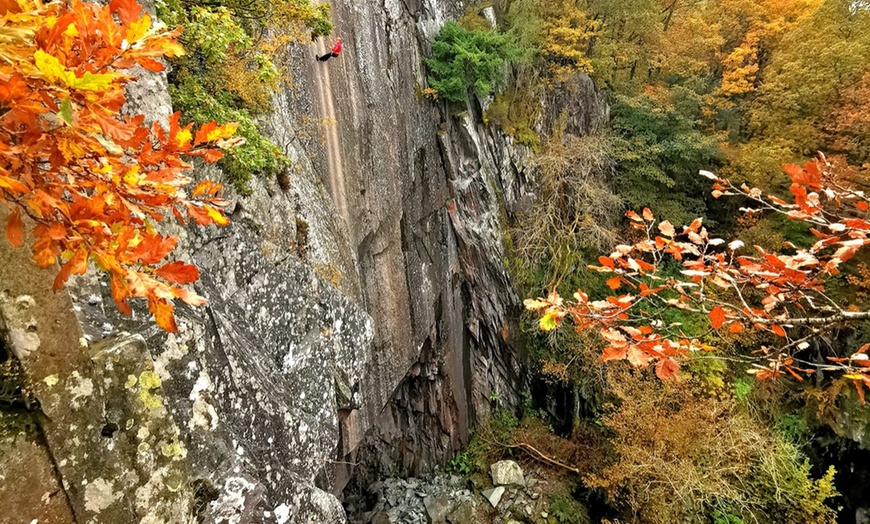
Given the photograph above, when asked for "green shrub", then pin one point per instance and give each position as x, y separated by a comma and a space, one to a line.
465, 61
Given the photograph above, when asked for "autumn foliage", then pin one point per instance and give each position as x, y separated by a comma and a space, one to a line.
96, 182
781, 295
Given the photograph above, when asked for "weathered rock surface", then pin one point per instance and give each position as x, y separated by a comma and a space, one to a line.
29, 487
85, 398
506, 472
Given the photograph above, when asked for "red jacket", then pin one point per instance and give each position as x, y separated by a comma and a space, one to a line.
336, 49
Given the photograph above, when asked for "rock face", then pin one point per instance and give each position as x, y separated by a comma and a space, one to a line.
360, 317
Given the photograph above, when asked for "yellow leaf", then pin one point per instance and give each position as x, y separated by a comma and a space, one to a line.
50, 66
548, 322
93, 82
216, 216
224, 131
138, 28
183, 137
54, 71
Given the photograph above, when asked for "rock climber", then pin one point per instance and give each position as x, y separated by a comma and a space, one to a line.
336, 50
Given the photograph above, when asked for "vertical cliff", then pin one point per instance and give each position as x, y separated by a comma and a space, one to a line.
360, 316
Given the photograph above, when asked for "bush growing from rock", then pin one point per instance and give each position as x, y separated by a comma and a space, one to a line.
465, 62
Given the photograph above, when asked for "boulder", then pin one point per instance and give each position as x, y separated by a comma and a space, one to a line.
437, 509
507, 472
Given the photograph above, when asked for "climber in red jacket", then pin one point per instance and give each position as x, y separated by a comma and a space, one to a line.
336, 50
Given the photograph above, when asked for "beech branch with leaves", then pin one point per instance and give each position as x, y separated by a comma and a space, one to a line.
96, 182
735, 287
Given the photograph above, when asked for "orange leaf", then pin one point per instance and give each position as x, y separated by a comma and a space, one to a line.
614, 353
119, 294
14, 228
717, 317
212, 155
163, 313
693, 227
667, 228
189, 297
127, 10
859, 387
56, 231
667, 368
614, 283
735, 327
10, 184
607, 262
778, 330
203, 131
78, 264
633, 216
647, 215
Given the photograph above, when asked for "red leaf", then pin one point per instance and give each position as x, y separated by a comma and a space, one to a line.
178, 272
717, 317
128, 10
859, 387
14, 228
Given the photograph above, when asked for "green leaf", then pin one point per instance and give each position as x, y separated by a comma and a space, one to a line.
65, 112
